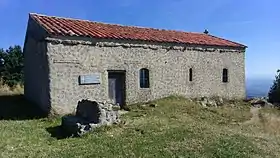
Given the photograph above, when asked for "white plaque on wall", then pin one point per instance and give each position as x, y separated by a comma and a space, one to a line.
90, 79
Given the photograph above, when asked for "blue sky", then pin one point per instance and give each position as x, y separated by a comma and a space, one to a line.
254, 23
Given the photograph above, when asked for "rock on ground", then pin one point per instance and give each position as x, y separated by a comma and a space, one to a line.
210, 102
89, 115
217, 101
260, 102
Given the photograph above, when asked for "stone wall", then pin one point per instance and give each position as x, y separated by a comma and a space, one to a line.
168, 65
36, 69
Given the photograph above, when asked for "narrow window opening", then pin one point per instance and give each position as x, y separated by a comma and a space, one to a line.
190, 74
225, 75
144, 78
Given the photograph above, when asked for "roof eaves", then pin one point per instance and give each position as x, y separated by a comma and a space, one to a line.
240, 45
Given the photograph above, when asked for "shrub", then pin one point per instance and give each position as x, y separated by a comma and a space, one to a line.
11, 66
274, 92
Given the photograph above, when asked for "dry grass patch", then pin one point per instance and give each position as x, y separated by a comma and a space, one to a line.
6, 90
270, 120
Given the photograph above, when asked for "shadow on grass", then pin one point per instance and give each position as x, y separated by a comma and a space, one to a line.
16, 107
57, 132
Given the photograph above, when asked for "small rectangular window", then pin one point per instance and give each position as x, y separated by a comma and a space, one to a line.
144, 78
190, 74
225, 75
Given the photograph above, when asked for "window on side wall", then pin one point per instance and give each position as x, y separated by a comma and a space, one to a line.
190, 74
144, 78
225, 75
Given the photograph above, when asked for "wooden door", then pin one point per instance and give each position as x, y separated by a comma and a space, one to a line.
117, 87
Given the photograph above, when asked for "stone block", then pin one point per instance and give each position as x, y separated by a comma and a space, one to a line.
89, 115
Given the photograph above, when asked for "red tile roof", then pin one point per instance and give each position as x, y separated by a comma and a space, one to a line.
75, 27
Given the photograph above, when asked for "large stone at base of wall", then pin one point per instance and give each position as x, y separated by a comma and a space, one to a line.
89, 115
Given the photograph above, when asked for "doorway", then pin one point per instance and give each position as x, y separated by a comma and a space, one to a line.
116, 87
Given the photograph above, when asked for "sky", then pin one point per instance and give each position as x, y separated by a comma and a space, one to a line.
254, 23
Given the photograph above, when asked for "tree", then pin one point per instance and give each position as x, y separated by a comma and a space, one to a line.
11, 65
274, 92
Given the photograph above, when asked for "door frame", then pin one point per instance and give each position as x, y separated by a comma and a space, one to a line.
123, 80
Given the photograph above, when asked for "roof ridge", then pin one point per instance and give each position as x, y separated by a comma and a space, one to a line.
51, 16
115, 24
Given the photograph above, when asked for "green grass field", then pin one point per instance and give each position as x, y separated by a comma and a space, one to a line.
177, 127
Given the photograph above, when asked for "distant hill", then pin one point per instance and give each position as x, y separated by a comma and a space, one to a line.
258, 87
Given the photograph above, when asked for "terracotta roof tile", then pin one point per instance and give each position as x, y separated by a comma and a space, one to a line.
75, 27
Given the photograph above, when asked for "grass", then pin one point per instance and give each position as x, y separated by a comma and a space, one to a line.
6, 90
270, 120
177, 127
